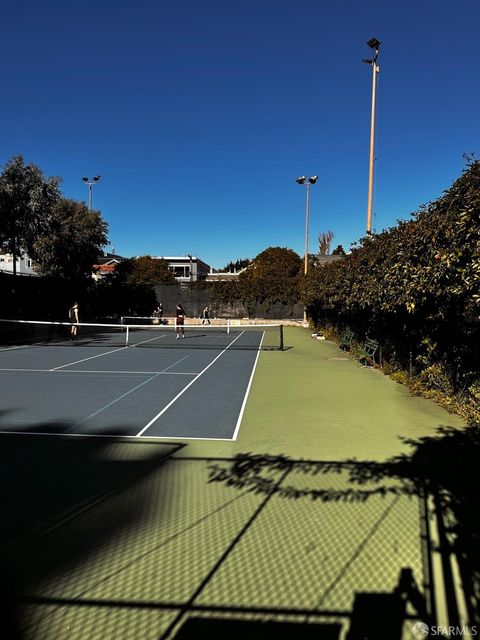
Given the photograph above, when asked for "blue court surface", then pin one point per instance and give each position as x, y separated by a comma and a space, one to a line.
179, 392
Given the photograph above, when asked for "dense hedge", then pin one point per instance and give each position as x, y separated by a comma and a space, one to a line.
416, 288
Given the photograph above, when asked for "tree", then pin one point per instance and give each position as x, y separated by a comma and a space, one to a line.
145, 271
70, 241
27, 199
238, 265
339, 251
272, 277
276, 262
324, 240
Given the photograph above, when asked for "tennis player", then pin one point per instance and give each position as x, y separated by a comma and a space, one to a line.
73, 316
180, 313
206, 315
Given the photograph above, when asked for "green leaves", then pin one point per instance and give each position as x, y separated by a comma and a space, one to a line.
27, 198
73, 238
272, 277
62, 236
434, 258
145, 271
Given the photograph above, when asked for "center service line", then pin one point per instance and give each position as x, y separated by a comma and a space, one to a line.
110, 404
140, 433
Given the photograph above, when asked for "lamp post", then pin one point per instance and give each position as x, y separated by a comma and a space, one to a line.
90, 184
374, 44
307, 182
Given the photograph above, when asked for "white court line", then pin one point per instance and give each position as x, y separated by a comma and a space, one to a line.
116, 371
20, 346
185, 388
244, 403
99, 355
145, 373
124, 395
32, 370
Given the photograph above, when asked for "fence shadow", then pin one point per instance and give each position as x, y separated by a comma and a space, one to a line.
441, 470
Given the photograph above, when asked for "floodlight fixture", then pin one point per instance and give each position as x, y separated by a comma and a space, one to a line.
313, 179
301, 179
373, 43
90, 184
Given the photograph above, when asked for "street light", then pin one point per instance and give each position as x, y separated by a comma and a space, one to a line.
307, 182
90, 184
374, 44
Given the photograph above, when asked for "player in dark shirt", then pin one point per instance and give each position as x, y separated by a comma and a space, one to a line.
180, 321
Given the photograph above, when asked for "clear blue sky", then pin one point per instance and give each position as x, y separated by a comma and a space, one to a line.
200, 114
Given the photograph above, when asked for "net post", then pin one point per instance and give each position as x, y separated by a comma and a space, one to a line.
281, 338
228, 326
126, 335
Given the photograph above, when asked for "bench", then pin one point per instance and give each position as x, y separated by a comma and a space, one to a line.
346, 339
368, 350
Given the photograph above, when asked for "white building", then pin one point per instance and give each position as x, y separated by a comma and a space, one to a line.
186, 268
24, 264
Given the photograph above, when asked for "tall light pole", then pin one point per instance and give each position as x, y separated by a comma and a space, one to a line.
374, 44
90, 184
307, 182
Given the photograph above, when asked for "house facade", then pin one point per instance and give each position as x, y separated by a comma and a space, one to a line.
186, 268
24, 266
107, 263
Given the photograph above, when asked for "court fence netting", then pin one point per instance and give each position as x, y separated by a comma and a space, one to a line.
232, 335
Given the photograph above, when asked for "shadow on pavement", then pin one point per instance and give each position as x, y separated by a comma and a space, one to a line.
46, 482
442, 471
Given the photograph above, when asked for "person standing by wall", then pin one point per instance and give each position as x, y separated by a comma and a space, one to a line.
206, 315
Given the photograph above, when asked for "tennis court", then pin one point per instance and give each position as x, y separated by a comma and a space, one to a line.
129, 380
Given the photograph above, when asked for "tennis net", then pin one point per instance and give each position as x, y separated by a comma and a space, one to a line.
28, 332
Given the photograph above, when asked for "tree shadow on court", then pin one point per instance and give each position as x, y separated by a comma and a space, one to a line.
440, 469
47, 483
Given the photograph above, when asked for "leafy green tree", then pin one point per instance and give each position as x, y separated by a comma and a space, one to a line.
339, 251
145, 271
70, 241
272, 277
274, 262
27, 199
